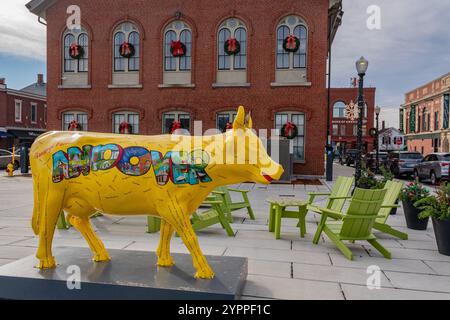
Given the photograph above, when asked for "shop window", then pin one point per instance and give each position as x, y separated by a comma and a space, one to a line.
223, 118
298, 143
126, 122
169, 118
81, 118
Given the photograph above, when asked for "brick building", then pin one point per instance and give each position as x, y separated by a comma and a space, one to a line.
424, 117
343, 130
23, 113
151, 88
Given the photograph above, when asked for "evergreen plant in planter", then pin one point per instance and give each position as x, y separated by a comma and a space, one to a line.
438, 208
411, 193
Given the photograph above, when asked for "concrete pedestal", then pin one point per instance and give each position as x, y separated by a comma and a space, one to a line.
129, 275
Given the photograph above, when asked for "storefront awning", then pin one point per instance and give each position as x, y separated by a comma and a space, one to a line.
25, 135
4, 135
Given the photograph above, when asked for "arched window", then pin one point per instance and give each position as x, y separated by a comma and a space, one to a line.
177, 31
177, 53
132, 118
126, 38
292, 60
80, 117
291, 64
232, 29
169, 117
339, 110
75, 57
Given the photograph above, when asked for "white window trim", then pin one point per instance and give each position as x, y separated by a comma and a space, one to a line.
17, 103
126, 114
35, 105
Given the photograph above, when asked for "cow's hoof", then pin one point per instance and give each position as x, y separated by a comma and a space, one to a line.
209, 274
101, 257
49, 263
165, 262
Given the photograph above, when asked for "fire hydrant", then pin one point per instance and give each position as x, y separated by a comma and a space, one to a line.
10, 169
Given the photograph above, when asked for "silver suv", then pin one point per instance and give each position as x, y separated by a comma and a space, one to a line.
434, 166
403, 162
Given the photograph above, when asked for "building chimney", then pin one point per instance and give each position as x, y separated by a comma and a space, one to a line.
2, 80
40, 78
383, 125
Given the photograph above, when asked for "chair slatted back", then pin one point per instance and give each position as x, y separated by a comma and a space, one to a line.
393, 192
361, 213
341, 188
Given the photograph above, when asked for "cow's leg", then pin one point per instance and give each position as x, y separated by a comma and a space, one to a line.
50, 206
163, 252
84, 226
184, 228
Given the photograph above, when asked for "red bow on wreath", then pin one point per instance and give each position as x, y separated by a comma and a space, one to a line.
229, 126
125, 49
232, 44
291, 42
177, 48
124, 128
73, 126
288, 127
74, 50
175, 126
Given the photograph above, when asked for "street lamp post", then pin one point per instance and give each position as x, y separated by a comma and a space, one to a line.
377, 114
361, 67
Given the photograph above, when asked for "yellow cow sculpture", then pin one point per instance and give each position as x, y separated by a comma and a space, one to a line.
82, 173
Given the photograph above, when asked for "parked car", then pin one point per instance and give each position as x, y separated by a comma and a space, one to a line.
370, 160
6, 158
434, 166
403, 162
349, 157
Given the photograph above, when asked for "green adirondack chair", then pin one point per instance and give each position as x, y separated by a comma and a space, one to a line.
356, 224
393, 191
200, 220
229, 206
336, 198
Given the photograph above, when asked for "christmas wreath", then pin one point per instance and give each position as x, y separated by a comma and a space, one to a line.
125, 128
178, 49
76, 51
291, 43
289, 130
232, 47
127, 50
175, 126
74, 126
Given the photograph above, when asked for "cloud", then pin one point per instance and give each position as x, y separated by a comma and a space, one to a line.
411, 48
20, 33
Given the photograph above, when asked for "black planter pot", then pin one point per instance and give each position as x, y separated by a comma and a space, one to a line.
442, 233
412, 217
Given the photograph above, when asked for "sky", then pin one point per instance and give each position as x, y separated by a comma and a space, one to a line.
410, 48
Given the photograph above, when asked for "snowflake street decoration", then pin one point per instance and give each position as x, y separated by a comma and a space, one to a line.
352, 111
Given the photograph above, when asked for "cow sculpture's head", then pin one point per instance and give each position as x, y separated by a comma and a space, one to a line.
245, 155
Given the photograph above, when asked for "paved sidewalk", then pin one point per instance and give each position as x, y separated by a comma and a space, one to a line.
289, 268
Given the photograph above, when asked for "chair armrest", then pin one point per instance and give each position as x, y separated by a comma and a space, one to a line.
338, 198
354, 217
238, 190
319, 193
217, 192
391, 206
332, 213
212, 202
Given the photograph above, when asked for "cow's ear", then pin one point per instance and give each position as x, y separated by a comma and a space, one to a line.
248, 121
239, 121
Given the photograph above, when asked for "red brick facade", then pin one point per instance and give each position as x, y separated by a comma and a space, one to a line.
201, 100
345, 136
8, 123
